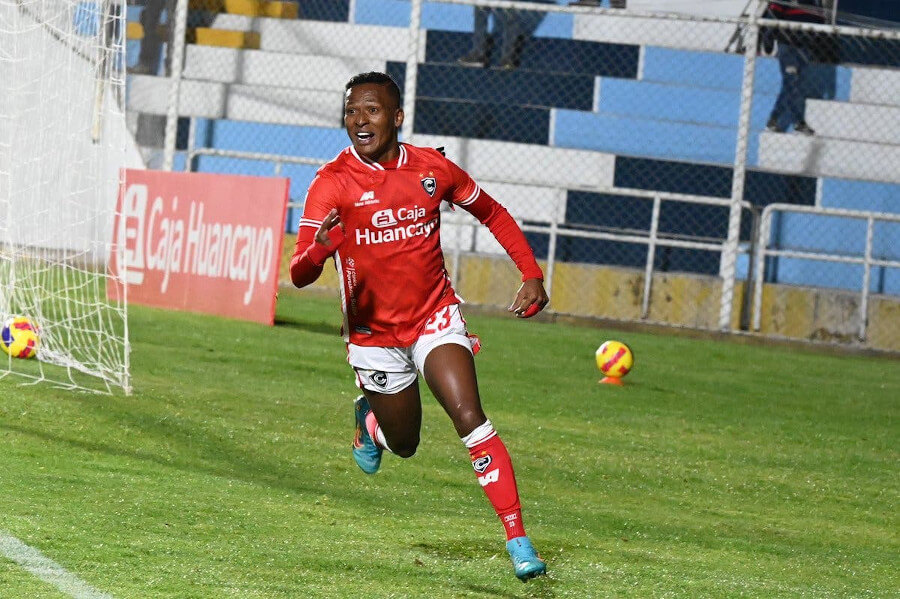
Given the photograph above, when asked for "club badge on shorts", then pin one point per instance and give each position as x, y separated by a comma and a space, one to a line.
380, 379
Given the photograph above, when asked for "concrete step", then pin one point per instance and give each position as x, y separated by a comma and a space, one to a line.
207, 99
654, 31
276, 69
825, 157
853, 121
322, 38
525, 164
875, 86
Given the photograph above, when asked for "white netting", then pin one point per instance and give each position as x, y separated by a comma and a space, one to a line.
62, 147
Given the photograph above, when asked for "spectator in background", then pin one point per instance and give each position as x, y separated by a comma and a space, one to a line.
796, 51
511, 27
151, 45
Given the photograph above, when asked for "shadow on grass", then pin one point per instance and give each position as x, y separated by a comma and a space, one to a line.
190, 449
483, 550
319, 328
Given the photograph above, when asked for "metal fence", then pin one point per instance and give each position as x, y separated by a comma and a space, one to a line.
637, 149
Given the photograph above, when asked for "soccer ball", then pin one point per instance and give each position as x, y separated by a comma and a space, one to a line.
614, 359
19, 337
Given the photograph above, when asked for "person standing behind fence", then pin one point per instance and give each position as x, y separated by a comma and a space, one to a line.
155, 35
511, 27
796, 50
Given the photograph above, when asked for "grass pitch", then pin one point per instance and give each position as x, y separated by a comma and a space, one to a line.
720, 470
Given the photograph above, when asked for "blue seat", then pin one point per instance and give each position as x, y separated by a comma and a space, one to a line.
633, 136
482, 121
510, 88
452, 17
268, 138
861, 195
760, 187
324, 10
552, 55
676, 102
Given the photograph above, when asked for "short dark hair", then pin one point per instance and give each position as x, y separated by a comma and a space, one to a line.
378, 79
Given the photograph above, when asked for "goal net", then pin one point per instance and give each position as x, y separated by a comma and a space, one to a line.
63, 144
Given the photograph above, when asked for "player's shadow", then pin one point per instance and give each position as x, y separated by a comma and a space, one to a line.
481, 550
184, 446
319, 328
535, 588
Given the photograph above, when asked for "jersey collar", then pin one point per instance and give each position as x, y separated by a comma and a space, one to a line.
401, 161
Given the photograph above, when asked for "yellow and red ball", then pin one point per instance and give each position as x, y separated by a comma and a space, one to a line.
20, 337
614, 359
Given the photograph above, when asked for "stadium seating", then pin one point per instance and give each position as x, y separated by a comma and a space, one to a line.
666, 108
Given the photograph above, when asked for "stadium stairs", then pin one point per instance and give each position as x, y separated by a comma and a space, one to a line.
666, 117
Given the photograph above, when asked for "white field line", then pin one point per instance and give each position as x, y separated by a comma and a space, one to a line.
46, 569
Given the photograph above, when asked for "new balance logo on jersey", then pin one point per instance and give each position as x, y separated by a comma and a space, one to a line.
491, 477
368, 197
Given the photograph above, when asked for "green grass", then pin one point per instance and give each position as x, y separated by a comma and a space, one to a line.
720, 470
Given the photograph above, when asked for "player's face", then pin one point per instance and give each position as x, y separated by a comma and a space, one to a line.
372, 118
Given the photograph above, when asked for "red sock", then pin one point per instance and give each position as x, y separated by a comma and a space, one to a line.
494, 470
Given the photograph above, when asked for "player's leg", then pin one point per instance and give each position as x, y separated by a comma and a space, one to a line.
449, 370
389, 413
396, 419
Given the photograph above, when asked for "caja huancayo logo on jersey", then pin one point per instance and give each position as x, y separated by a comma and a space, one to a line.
395, 225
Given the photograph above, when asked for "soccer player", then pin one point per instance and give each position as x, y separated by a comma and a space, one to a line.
376, 209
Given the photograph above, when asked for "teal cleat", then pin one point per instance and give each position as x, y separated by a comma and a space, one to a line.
365, 452
526, 562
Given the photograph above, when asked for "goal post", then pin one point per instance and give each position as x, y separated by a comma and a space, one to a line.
63, 146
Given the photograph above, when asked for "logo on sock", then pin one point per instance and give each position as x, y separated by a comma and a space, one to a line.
481, 464
491, 477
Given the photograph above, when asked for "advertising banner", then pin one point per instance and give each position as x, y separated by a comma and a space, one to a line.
200, 242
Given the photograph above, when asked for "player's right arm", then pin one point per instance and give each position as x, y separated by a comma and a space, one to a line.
320, 233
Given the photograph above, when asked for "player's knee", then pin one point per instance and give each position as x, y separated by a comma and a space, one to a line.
468, 420
406, 449
406, 452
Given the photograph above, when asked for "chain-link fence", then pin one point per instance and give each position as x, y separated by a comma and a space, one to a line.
721, 173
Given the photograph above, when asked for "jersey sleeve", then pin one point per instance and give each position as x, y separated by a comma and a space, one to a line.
467, 194
309, 256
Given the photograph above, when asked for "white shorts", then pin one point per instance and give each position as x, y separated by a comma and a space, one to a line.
393, 369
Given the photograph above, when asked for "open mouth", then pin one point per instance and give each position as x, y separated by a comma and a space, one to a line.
364, 137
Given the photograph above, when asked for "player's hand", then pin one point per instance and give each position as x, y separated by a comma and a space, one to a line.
530, 299
327, 235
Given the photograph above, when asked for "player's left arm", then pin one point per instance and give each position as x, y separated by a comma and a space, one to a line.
531, 296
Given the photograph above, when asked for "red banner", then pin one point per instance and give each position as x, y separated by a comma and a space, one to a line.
200, 242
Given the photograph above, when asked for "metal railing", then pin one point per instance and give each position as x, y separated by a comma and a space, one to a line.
866, 260
554, 229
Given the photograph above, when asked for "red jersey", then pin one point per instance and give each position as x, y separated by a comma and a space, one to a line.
390, 264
